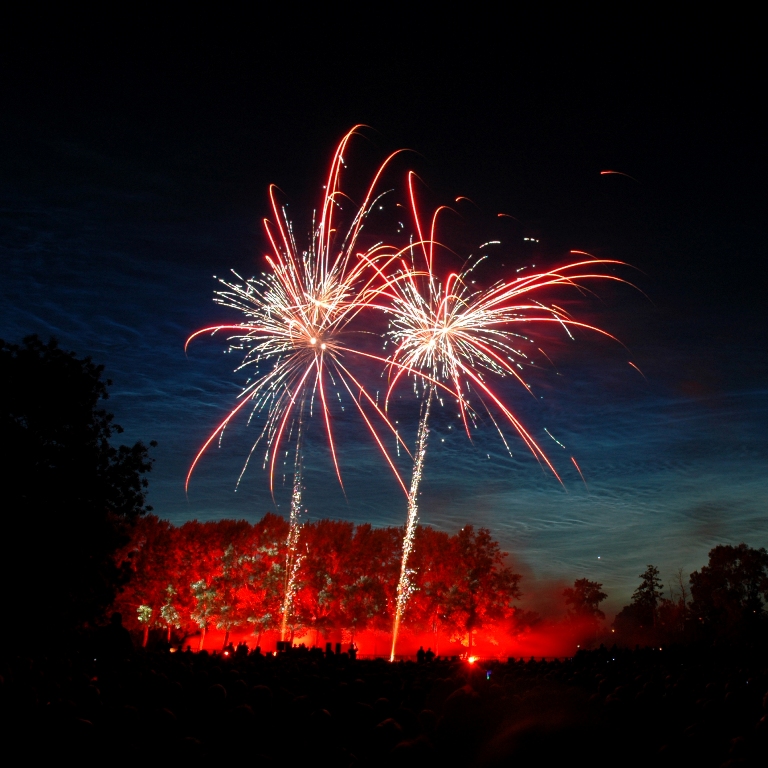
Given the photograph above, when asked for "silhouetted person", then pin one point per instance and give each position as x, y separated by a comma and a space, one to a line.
420, 654
352, 651
429, 655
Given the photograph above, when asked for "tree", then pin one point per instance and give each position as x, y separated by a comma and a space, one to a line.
482, 587
649, 594
262, 576
371, 579
324, 575
730, 592
434, 566
144, 617
583, 600
70, 496
638, 620
673, 613
151, 557
168, 612
205, 607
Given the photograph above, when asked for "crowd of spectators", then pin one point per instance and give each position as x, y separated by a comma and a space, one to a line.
316, 707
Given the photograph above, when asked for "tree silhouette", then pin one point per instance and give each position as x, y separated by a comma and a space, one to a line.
649, 594
639, 619
730, 592
583, 600
69, 494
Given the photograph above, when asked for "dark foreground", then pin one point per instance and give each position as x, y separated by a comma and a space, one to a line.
645, 707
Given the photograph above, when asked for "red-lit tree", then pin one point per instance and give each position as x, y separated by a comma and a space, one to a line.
231, 573
326, 548
200, 551
482, 588
261, 576
152, 558
434, 568
370, 583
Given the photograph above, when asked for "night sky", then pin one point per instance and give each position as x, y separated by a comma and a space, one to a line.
134, 168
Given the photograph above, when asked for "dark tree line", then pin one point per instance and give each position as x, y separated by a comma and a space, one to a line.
722, 603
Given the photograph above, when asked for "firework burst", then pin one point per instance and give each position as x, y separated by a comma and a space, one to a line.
453, 338
297, 314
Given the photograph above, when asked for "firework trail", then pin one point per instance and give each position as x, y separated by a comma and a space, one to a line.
292, 558
404, 588
452, 336
297, 314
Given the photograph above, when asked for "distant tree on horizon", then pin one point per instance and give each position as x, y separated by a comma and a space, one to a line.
730, 592
639, 618
583, 600
650, 592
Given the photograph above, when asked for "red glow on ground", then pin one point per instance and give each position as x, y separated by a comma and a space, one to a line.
547, 639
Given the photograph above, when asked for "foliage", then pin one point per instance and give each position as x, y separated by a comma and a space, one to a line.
639, 618
205, 603
231, 573
583, 600
71, 491
649, 593
168, 613
730, 592
482, 587
433, 579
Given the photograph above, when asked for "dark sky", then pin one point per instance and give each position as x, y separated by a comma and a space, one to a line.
135, 167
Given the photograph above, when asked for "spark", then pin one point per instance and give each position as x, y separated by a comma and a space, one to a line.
554, 438
578, 469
